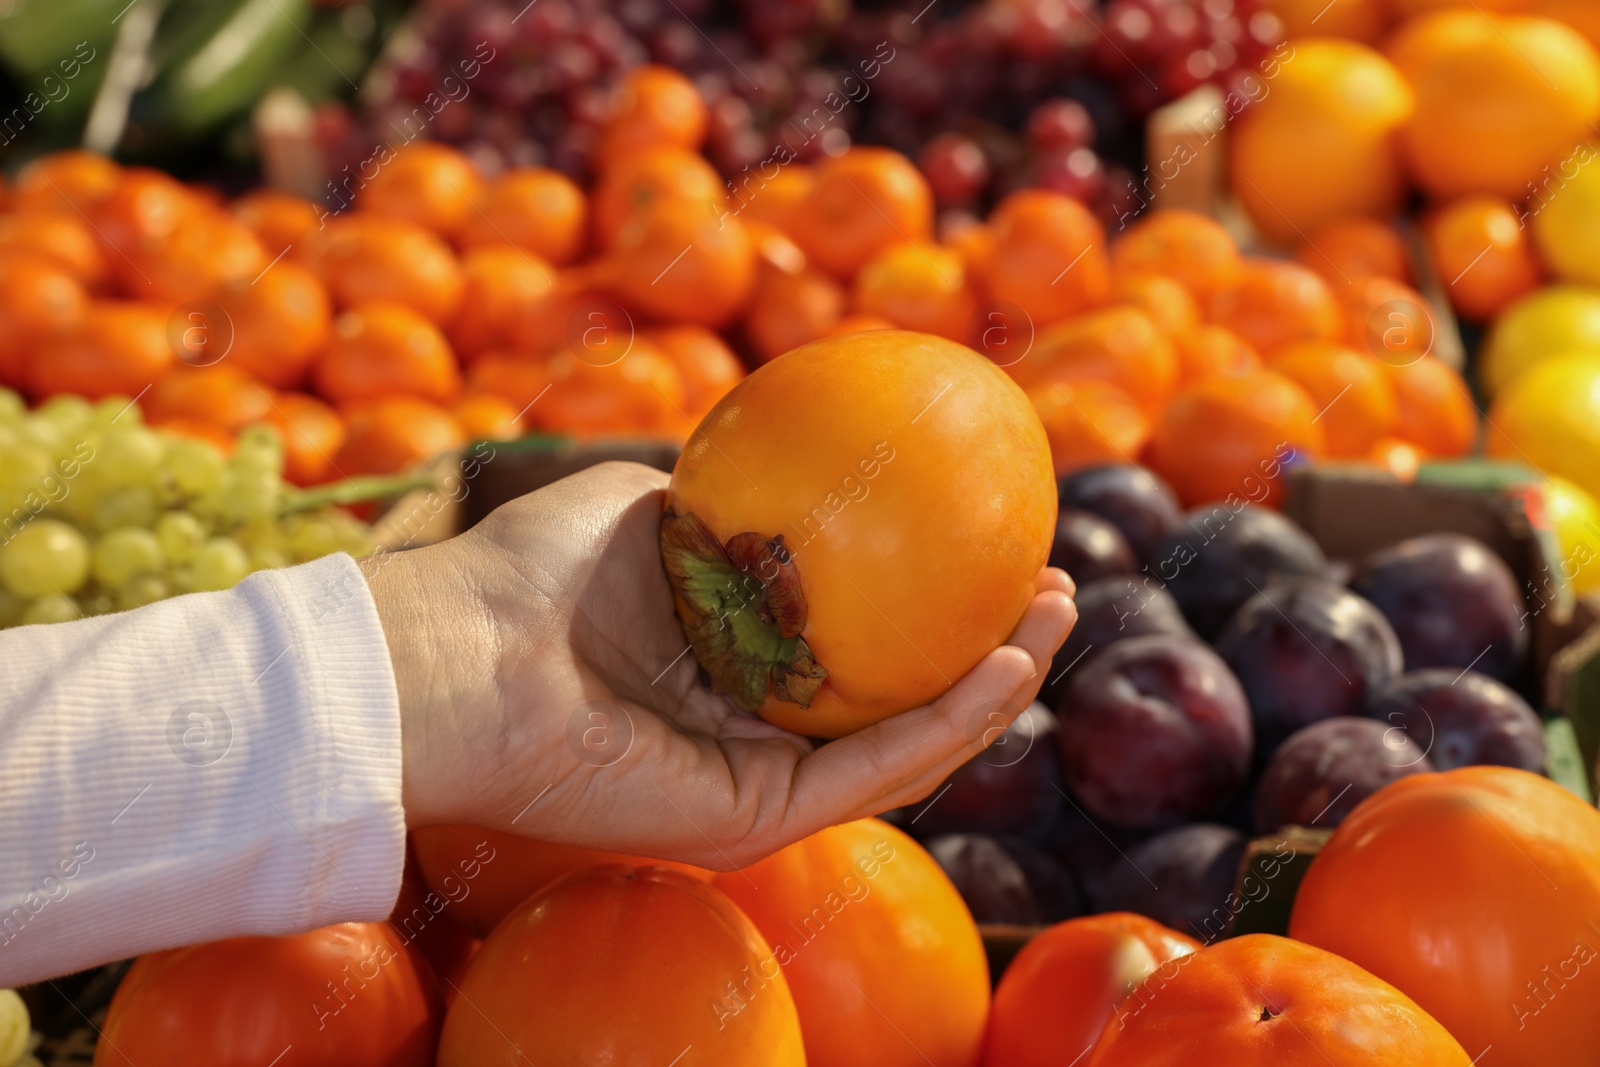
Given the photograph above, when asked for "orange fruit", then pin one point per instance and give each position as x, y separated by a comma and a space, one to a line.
40, 301
1321, 143
379, 349
119, 348
1482, 254
1049, 256
1405, 9
279, 220
1581, 15
776, 200
1355, 402
72, 181
1211, 350
858, 323
861, 203
222, 395
503, 286
1273, 303
1388, 320
1400, 458
1349, 250
1120, 345
281, 324
919, 287
1359, 20
640, 183
655, 106
312, 434
1434, 407
395, 433
1089, 423
1186, 246
706, 363
206, 253
428, 183
1497, 98
486, 417
683, 265
65, 238
362, 258
791, 309
1169, 305
642, 393
535, 209
518, 379
1229, 439
883, 959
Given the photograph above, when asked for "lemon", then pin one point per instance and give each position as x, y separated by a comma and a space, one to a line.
1566, 216
1549, 417
1575, 517
1554, 320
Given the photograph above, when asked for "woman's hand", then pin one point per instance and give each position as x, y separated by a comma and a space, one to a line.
546, 688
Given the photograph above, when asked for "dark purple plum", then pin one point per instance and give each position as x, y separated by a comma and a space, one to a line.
1013, 786
1089, 548
1110, 610
1220, 558
1090, 850
1321, 773
1305, 649
1155, 731
1004, 880
1130, 498
1452, 601
1462, 718
1181, 878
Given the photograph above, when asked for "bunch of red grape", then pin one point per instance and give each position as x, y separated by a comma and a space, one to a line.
989, 96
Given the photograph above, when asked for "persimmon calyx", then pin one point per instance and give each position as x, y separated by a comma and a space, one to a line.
744, 610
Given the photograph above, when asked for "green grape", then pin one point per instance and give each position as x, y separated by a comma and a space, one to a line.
180, 535
11, 405
100, 604
42, 434
68, 412
131, 505
219, 564
258, 448
194, 466
16, 1029
181, 579
266, 559
310, 537
46, 556
23, 470
128, 454
115, 411
52, 607
125, 553
11, 607
249, 495
145, 589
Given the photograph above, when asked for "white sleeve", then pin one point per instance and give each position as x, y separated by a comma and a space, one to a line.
212, 765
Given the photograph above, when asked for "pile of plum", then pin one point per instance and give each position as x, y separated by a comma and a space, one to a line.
1224, 680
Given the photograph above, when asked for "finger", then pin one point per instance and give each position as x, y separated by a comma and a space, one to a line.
853, 774
1057, 579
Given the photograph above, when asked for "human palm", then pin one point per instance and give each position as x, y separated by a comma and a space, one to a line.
597, 730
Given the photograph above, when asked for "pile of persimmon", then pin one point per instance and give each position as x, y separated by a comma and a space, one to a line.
448, 305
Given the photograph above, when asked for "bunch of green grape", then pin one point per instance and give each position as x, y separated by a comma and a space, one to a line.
100, 513
16, 1032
